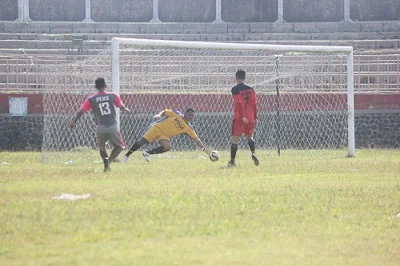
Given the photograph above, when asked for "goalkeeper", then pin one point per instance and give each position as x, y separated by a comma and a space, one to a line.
170, 123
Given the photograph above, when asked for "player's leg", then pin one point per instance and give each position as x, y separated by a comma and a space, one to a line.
118, 143
102, 138
237, 130
142, 141
249, 128
234, 148
165, 145
148, 137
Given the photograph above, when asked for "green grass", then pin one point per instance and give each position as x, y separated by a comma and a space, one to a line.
297, 209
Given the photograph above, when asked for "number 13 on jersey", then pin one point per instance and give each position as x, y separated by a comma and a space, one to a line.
104, 108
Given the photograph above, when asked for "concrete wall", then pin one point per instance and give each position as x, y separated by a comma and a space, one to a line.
8, 10
57, 10
313, 10
187, 11
122, 10
251, 11
204, 11
374, 10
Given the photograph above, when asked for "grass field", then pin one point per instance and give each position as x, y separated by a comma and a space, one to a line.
292, 210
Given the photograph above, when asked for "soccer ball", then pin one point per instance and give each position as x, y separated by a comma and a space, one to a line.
214, 156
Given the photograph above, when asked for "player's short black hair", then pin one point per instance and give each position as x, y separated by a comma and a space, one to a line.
240, 74
100, 83
190, 110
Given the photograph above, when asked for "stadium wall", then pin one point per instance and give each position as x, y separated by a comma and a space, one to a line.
202, 11
377, 124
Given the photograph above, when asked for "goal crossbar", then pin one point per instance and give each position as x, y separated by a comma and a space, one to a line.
232, 46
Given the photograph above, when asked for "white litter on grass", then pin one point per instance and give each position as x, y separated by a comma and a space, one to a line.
69, 162
398, 215
4, 163
72, 197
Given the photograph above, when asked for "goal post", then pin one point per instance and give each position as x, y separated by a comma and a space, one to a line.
339, 73
305, 98
350, 104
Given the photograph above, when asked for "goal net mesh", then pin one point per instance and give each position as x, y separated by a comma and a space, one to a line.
302, 97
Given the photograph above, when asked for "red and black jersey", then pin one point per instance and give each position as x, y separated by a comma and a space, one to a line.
245, 102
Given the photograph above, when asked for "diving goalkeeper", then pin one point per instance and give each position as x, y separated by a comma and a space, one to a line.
170, 123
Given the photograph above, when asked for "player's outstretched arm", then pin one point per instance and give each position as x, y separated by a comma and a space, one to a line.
72, 123
201, 146
160, 114
123, 107
255, 107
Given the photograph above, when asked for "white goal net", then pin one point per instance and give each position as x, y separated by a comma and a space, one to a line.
305, 96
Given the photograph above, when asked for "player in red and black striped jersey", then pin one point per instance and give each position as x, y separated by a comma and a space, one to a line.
103, 104
244, 118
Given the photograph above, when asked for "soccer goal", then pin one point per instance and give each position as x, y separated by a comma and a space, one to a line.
305, 93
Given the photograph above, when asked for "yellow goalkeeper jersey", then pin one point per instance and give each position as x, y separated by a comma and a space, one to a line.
170, 125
